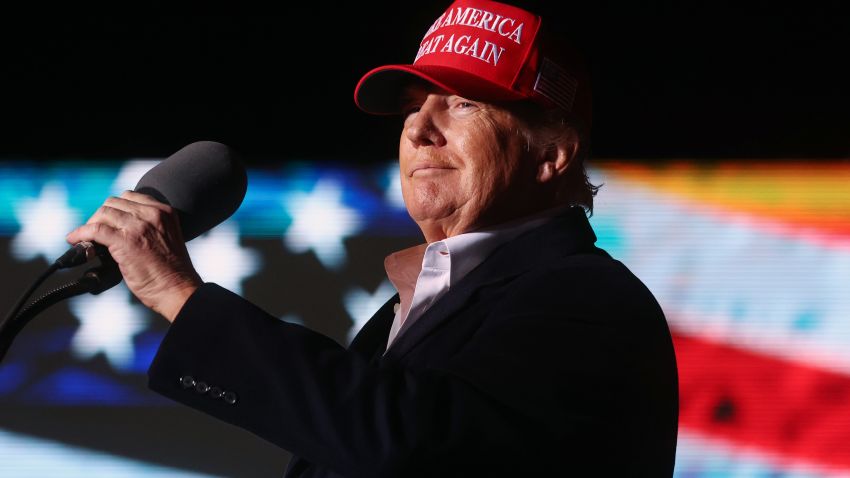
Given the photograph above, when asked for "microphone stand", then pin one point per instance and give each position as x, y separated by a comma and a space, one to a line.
95, 280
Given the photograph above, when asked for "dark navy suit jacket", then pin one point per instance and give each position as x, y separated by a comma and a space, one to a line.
548, 359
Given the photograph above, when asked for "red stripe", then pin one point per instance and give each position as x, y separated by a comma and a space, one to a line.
778, 406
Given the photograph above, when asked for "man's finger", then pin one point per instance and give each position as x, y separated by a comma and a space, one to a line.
143, 199
126, 204
112, 216
94, 232
140, 206
120, 203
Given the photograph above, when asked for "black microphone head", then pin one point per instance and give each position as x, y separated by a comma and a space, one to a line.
205, 182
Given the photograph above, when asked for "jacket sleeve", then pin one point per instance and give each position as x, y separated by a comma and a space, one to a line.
306, 393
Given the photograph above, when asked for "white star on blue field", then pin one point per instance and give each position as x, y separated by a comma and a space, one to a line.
108, 323
320, 223
44, 222
218, 257
361, 305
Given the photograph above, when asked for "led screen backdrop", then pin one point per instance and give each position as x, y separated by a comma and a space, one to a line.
750, 261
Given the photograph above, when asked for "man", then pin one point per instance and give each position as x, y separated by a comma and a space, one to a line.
514, 347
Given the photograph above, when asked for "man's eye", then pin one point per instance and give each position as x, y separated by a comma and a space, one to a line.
466, 106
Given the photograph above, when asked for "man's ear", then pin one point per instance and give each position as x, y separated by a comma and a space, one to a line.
555, 159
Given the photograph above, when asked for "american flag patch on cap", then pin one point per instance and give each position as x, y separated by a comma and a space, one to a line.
556, 84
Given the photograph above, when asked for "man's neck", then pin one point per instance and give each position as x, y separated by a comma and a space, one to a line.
439, 229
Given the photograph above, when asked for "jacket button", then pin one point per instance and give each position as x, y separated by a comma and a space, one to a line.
230, 398
202, 387
187, 381
216, 392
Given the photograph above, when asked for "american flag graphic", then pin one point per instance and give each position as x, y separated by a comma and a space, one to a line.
750, 261
555, 83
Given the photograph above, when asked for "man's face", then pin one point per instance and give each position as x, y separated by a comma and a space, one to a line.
463, 163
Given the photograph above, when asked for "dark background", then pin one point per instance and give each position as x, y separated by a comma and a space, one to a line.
761, 81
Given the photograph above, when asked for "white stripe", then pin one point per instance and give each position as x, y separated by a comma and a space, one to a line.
698, 456
721, 276
23, 457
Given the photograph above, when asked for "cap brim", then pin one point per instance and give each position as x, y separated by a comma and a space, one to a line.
381, 90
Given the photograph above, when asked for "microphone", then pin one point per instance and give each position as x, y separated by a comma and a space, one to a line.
204, 182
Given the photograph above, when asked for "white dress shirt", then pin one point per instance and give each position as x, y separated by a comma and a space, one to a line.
444, 263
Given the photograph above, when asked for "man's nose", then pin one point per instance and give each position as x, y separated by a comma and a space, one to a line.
423, 129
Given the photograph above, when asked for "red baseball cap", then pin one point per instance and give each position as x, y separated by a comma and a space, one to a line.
489, 51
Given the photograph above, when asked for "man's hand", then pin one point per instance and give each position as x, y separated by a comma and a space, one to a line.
143, 236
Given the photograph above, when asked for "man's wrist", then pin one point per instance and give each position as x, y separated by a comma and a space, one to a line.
173, 303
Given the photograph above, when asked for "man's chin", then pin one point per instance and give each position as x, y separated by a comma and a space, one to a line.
427, 215
438, 223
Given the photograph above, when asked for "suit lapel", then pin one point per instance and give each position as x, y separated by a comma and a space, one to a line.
371, 341
566, 234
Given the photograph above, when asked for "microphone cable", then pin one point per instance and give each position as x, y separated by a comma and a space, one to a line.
94, 280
